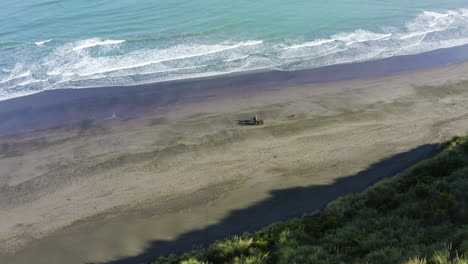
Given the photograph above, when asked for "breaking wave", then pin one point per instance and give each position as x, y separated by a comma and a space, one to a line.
40, 43
104, 62
88, 43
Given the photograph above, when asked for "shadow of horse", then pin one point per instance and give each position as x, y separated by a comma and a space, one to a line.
246, 122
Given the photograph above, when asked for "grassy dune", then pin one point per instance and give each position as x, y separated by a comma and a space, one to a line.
419, 216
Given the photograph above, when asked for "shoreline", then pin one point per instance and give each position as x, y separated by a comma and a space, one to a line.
107, 190
60, 107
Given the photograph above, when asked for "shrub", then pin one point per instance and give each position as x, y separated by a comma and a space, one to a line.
423, 190
382, 200
416, 260
317, 224
192, 261
224, 251
413, 179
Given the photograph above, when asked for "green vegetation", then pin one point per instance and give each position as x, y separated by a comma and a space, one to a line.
417, 217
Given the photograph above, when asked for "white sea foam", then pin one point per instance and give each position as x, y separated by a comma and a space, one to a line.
88, 43
91, 66
413, 34
77, 65
359, 36
40, 43
30, 81
347, 38
237, 59
428, 31
14, 77
314, 43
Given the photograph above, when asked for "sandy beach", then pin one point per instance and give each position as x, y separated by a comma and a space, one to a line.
124, 189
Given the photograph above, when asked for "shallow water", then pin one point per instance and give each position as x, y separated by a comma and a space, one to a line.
84, 43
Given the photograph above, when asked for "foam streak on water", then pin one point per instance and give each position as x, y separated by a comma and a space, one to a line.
97, 61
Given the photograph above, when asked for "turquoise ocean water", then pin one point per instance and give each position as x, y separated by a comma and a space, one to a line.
48, 44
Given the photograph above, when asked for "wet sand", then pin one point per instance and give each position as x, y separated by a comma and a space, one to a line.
59, 107
124, 190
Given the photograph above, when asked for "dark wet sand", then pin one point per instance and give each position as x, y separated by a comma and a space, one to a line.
59, 107
175, 169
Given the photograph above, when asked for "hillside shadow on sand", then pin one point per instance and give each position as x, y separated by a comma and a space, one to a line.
282, 205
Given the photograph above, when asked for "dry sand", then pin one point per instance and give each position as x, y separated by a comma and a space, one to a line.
103, 191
